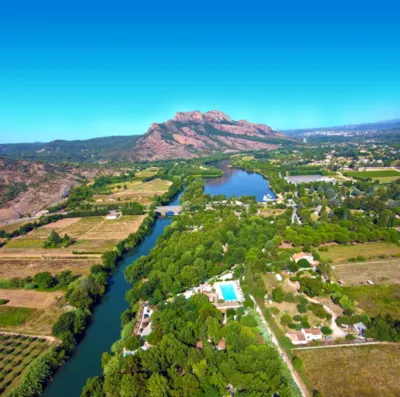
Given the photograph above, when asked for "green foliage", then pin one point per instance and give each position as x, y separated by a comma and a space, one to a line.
55, 241
326, 330
278, 295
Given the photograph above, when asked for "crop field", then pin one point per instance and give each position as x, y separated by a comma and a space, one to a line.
23, 267
379, 272
341, 253
13, 226
30, 320
383, 176
359, 371
29, 298
93, 235
147, 173
16, 353
376, 299
374, 174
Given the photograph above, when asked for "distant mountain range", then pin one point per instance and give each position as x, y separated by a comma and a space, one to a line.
187, 135
379, 125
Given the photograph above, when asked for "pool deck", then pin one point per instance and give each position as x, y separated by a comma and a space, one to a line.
236, 288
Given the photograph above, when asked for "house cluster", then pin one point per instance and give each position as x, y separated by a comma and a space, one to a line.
221, 345
304, 336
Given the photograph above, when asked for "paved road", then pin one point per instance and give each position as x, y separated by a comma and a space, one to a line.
302, 387
18, 221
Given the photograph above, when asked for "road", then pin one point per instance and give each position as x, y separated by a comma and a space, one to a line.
342, 345
19, 221
300, 384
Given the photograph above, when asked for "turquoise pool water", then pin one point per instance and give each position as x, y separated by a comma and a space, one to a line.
228, 292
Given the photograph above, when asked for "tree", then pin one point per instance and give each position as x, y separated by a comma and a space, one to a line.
297, 363
44, 280
93, 387
278, 294
286, 319
326, 330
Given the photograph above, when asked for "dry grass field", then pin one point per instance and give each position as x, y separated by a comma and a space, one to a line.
147, 173
367, 371
341, 253
379, 272
13, 226
23, 267
376, 299
29, 298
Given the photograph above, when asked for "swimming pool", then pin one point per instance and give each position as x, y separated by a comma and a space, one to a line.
228, 292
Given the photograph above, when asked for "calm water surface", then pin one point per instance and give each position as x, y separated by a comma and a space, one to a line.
236, 182
106, 320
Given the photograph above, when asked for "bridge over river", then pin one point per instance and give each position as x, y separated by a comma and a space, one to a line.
168, 209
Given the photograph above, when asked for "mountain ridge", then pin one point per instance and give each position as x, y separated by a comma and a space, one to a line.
187, 135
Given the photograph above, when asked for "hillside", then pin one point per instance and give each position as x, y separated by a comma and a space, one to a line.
189, 134
27, 187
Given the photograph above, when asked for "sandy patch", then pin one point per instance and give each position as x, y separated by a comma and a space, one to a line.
30, 299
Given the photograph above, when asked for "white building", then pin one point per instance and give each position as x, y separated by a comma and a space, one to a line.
303, 255
113, 215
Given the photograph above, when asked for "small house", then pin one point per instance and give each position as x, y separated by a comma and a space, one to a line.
113, 215
312, 334
221, 345
297, 337
303, 255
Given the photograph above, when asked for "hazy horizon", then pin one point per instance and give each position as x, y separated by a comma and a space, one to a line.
84, 70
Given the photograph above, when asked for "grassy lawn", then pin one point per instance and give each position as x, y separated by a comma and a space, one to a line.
373, 174
341, 253
366, 371
16, 353
376, 299
378, 271
14, 316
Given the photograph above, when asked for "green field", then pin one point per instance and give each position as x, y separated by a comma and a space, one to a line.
382, 176
366, 371
376, 299
341, 253
13, 316
16, 353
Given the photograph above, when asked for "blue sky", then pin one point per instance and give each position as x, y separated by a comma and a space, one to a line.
81, 69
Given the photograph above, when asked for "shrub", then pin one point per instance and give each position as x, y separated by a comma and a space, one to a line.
326, 330
302, 308
286, 319
297, 363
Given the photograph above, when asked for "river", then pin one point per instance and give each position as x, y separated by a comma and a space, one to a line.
105, 327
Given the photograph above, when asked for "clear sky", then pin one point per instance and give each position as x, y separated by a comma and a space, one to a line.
80, 69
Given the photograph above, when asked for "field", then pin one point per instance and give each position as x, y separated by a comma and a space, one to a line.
139, 191
16, 353
14, 316
366, 371
13, 226
147, 173
341, 253
29, 298
379, 272
93, 235
376, 299
383, 176
23, 267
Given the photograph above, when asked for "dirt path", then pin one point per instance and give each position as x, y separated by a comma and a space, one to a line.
337, 331
299, 382
51, 339
342, 345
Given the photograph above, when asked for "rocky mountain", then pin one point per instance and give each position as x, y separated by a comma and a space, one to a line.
188, 134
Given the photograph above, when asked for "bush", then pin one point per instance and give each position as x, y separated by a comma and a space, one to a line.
326, 330
297, 363
3, 301
297, 317
278, 294
302, 308
286, 319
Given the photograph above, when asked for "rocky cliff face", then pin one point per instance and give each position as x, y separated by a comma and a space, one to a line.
191, 134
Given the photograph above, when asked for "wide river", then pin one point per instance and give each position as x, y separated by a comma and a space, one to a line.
106, 320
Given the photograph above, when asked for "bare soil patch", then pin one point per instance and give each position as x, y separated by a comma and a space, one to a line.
30, 299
